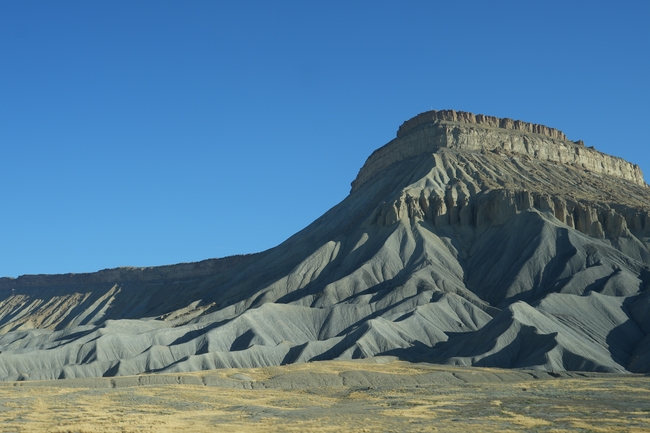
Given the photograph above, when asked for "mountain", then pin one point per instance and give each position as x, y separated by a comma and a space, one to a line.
466, 240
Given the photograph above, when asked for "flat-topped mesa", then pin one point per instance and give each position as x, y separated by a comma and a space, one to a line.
428, 132
180, 271
478, 119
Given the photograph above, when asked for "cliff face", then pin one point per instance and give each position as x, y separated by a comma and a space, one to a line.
428, 132
461, 191
478, 119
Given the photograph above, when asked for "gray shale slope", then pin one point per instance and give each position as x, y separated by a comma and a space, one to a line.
466, 240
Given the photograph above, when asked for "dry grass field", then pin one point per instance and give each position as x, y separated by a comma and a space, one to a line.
365, 396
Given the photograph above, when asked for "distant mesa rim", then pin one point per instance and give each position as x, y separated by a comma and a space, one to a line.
480, 119
436, 130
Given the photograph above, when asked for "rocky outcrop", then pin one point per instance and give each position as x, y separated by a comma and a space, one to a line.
482, 189
428, 132
479, 119
494, 207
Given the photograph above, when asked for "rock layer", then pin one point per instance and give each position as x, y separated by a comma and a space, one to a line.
428, 132
479, 119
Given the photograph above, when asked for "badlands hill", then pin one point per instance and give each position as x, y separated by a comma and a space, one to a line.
466, 240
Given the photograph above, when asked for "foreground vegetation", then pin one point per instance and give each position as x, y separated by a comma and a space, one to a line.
386, 400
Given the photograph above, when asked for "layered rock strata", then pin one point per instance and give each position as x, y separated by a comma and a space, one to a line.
495, 207
428, 132
483, 189
478, 119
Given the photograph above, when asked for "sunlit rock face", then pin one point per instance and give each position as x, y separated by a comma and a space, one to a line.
433, 130
466, 240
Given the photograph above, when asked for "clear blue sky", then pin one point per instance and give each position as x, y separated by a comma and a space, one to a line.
140, 133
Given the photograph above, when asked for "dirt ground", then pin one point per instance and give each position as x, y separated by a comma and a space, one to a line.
326, 397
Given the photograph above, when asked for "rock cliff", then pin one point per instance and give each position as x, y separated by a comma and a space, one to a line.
482, 189
433, 130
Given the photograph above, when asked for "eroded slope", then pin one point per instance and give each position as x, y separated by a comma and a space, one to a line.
473, 257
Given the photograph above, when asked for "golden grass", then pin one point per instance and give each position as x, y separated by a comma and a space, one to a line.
600, 404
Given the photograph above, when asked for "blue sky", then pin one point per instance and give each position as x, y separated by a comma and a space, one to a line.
154, 132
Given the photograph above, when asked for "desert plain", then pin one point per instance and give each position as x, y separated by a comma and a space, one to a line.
379, 394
